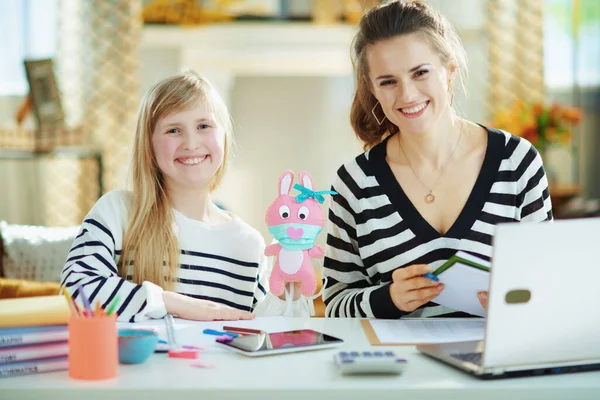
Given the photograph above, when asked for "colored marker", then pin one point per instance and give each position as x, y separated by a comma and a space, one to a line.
86, 303
219, 333
69, 301
113, 305
431, 276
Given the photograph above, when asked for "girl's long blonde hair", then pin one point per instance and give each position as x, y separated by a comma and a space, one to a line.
150, 245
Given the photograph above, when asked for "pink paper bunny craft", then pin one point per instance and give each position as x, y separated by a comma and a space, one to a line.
295, 222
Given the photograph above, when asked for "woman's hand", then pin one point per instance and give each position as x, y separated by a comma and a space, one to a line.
201, 310
483, 299
410, 289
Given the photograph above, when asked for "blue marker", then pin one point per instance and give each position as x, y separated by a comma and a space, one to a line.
432, 277
219, 333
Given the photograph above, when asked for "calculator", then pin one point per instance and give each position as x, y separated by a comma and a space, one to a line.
369, 362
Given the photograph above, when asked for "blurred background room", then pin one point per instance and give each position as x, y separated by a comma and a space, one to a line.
283, 66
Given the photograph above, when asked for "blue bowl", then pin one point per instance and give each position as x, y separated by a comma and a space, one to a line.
136, 345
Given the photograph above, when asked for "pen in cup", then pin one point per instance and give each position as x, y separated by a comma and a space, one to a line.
112, 307
86, 303
70, 302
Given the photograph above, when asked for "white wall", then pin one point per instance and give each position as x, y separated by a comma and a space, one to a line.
296, 123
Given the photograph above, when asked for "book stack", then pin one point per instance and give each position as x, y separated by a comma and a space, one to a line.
33, 335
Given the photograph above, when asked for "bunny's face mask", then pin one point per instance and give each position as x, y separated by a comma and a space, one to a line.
295, 236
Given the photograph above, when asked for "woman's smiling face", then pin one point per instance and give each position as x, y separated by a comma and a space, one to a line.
410, 82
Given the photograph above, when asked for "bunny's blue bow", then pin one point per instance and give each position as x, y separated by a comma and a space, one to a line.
306, 193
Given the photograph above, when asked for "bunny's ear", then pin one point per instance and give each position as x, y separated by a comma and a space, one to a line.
285, 183
305, 180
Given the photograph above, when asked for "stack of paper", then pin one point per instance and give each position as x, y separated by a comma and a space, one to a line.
433, 330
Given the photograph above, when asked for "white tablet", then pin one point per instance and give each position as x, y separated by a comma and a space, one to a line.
263, 344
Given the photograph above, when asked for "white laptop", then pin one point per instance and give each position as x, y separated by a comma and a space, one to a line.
544, 304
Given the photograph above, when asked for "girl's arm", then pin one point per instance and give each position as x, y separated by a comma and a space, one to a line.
200, 310
91, 266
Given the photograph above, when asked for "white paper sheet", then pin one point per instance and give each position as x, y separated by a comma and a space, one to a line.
419, 331
190, 332
462, 283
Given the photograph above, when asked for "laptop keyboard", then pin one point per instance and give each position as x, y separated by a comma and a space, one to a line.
474, 358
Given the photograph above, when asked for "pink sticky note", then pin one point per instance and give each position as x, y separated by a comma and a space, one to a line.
189, 354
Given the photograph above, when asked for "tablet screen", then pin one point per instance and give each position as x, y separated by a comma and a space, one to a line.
280, 340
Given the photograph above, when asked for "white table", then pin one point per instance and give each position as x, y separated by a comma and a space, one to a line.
306, 376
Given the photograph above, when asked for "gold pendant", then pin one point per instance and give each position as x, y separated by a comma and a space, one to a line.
430, 198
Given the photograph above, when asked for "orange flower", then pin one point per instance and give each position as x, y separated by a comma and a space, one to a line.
555, 114
572, 115
530, 133
538, 109
539, 123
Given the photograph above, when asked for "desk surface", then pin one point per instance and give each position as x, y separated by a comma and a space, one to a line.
294, 376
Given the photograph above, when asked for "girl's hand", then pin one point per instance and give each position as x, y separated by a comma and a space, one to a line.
201, 310
410, 289
483, 299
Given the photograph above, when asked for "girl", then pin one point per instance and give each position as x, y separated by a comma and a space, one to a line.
430, 183
166, 247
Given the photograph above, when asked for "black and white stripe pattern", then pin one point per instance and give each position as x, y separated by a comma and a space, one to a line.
210, 268
374, 229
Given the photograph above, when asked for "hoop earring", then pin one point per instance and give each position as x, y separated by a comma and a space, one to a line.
375, 116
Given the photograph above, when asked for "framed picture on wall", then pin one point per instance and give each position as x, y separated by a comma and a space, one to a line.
44, 94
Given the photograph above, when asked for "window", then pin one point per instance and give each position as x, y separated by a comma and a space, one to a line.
571, 43
28, 29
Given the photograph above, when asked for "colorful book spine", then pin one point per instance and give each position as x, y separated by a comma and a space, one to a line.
10, 337
33, 352
34, 367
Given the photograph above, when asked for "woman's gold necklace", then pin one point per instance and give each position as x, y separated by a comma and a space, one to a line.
430, 197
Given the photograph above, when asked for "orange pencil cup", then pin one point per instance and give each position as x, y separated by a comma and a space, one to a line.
93, 347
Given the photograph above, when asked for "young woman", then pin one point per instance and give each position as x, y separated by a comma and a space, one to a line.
430, 183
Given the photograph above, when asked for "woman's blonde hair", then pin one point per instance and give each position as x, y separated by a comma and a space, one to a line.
387, 21
150, 243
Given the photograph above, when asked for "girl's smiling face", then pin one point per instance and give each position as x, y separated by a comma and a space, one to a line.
189, 147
